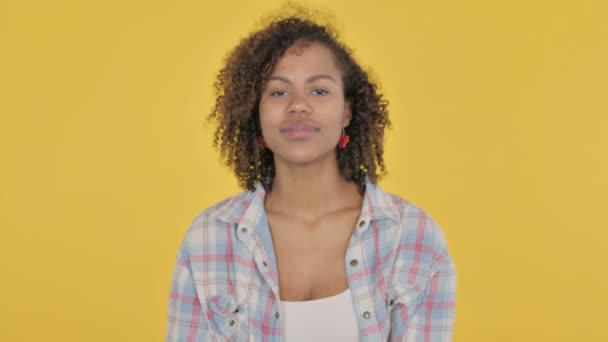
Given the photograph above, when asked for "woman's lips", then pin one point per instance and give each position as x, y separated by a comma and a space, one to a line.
299, 133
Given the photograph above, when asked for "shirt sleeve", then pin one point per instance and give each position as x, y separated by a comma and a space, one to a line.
432, 318
185, 319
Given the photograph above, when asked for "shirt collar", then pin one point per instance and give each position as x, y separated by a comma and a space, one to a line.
247, 208
378, 205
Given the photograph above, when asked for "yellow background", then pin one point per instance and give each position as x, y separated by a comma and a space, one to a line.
500, 132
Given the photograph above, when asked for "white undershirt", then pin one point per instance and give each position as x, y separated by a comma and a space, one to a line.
325, 319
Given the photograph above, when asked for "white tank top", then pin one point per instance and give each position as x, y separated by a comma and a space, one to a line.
325, 319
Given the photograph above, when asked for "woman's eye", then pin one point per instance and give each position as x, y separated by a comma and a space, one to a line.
320, 91
278, 93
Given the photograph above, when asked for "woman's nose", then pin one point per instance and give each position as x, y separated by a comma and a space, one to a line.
298, 104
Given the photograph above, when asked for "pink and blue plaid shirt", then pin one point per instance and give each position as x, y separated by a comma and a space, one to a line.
225, 282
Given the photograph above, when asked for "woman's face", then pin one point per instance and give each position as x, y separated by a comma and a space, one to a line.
302, 107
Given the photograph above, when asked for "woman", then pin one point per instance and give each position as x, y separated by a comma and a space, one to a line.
313, 250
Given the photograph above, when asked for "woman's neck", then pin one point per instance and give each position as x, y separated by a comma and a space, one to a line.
311, 192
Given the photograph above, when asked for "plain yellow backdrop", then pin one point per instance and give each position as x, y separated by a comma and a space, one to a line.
500, 132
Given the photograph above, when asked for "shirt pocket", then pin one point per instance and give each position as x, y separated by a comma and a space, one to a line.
227, 318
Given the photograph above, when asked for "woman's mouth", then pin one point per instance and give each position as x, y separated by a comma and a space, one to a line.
299, 133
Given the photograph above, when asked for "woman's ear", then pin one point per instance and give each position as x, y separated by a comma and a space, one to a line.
348, 114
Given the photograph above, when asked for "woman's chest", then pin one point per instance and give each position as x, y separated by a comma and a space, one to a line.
240, 289
310, 257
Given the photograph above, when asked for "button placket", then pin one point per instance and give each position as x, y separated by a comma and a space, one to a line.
362, 224
242, 233
354, 255
261, 261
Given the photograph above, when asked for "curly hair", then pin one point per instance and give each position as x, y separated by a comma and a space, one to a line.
238, 89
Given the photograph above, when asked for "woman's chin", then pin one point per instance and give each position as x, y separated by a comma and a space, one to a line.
300, 158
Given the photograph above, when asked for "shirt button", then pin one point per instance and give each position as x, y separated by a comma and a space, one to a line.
392, 302
264, 263
244, 229
354, 262
231, 322
366, 315
276, 315
362, 223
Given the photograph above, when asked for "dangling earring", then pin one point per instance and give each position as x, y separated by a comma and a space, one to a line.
344, 139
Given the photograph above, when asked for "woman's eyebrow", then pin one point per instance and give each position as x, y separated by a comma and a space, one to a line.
308, 80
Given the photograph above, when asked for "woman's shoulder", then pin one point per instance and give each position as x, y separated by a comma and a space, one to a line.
214, 224
227, 210
414, 224
396, 206
408, 209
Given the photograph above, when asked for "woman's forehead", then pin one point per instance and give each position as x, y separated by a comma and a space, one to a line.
307, 57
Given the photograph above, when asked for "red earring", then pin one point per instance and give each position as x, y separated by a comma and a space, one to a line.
344, 139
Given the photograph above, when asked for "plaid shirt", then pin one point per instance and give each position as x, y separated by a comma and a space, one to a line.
225, 282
